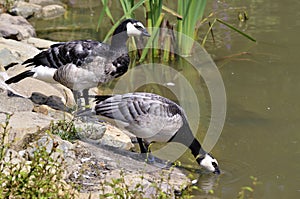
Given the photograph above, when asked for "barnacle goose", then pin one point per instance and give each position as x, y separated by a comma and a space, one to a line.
83, 64
153, 118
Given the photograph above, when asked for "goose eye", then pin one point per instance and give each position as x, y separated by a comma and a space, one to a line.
138, 27
214, 164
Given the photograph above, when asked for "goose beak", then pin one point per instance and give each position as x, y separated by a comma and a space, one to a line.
145, 33
217, 171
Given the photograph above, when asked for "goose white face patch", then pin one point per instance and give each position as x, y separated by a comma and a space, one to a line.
132, 30
209, 163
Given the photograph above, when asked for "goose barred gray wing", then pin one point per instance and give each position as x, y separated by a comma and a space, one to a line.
60, 54
146, 115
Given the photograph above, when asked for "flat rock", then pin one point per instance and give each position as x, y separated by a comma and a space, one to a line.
116, 138
39, 43
14, 104
19, 50
15, 27
7, 57
100, 164
25, 123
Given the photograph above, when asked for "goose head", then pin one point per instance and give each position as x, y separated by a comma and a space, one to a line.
208, 162
132, 27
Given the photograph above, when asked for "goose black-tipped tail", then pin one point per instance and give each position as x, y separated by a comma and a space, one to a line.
100, 98
19, 77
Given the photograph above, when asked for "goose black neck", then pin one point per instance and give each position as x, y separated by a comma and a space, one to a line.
119, 39
196, 149
186, 137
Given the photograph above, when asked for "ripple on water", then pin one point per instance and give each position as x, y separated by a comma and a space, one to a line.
234, 171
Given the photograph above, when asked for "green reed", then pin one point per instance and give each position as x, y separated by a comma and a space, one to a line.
191, 12
164, 43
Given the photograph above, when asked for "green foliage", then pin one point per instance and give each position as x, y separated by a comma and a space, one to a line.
41, 177
65, 129
191, 12
4, 129
119, 188
6, 5
229, 26
247, 191
189, 15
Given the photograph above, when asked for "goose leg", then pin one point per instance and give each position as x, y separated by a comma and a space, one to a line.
144, 147
85, 95
77, 99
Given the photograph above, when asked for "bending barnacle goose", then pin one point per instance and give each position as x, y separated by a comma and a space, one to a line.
154, 118
83, 64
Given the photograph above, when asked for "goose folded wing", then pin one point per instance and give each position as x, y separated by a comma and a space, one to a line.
145, 116
75, 52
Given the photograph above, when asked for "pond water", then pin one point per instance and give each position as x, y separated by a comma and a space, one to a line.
261, 135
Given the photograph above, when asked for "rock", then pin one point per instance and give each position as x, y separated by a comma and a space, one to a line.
7, 57
4, 88
116, 138
52, 101
102, 164
26, 10
56, 114
54, 145
15, 27
14, 104
20, 51
39, 43
46, 2
24, 124
90, 131
52, 11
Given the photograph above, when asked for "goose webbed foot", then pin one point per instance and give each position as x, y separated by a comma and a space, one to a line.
150, 158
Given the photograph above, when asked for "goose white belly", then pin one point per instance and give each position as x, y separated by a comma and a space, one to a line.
44, 73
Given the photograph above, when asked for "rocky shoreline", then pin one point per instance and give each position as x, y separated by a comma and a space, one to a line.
102, 152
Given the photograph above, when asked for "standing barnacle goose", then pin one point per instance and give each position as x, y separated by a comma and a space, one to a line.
154, 118
83, 64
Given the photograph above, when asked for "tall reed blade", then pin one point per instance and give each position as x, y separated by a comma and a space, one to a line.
191, 11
